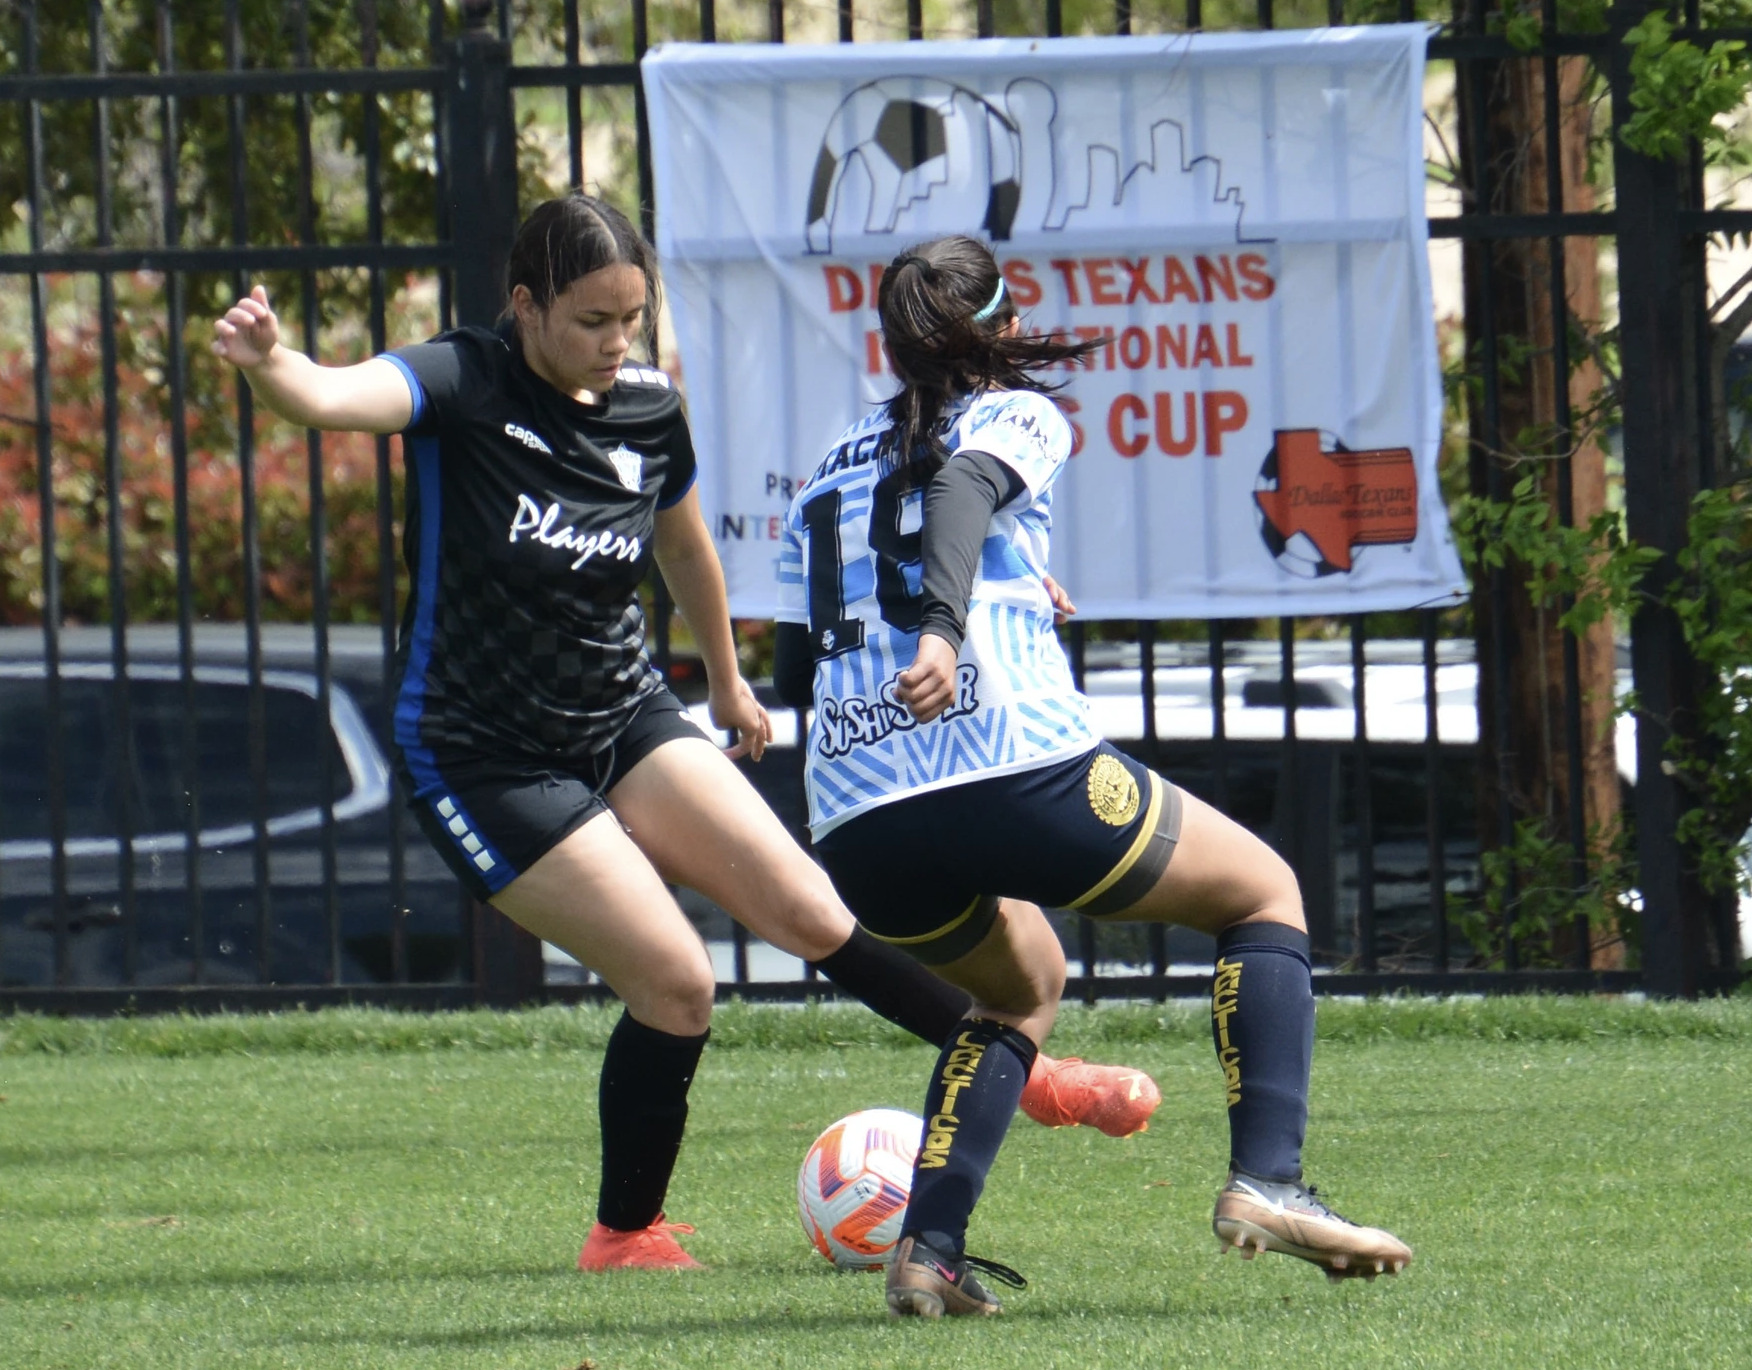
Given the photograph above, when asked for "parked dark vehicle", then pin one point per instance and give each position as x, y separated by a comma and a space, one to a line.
393, 912
127, 767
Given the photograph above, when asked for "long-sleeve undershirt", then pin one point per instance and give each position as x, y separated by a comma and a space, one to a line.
959, 503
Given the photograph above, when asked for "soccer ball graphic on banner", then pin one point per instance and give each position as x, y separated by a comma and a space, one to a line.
896, 142
852, 1190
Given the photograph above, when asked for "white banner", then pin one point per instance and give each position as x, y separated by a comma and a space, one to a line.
1239, 216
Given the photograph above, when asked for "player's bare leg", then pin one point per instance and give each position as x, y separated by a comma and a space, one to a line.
1224, 881
596, 897
704, 826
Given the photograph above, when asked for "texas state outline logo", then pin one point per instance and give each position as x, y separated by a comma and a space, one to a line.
1318, 501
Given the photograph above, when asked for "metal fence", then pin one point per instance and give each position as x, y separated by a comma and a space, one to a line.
221, 789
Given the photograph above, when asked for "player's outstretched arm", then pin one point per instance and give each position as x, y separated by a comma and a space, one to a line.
690, 568
370, 397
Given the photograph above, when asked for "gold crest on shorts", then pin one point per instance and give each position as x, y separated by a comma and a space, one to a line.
1113, 793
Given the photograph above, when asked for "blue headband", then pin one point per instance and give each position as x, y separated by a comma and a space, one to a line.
992, 307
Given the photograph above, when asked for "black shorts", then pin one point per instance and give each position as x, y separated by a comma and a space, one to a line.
1093, 833
493, 817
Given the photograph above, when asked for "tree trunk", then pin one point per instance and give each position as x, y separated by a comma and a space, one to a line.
1528, 771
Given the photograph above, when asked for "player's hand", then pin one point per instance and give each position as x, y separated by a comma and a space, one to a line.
1062, 608
735, 709
248, 332
927, 687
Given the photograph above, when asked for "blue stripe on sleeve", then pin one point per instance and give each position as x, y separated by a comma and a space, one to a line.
680, 494
415, 389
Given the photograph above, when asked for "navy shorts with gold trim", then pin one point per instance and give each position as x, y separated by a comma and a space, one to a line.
1093, 833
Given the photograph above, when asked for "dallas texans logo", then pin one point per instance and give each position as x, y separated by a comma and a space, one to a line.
1319, 501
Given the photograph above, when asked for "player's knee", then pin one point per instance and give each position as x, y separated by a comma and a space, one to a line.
1283, 897
1039, 981
1050, 980
1275, 895
677, 999
815, 924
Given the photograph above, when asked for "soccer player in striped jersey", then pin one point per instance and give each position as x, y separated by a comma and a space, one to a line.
956, 785
539, 749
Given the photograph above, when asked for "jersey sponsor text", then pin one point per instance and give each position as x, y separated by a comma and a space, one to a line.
527, 438
539, 523
851, 723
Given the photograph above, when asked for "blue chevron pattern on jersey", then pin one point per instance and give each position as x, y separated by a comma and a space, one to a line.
1016, 707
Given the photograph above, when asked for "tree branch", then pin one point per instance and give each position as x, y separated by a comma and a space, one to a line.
1729, 293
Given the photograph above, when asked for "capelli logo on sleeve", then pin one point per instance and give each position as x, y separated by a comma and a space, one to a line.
528, 439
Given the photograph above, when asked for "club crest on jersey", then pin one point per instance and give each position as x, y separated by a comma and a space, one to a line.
629, 466
528, 439
844, 724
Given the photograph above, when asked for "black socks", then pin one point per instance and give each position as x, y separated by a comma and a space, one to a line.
646, 1073
643, 1093
973, 1095
1262, 1021
894, 985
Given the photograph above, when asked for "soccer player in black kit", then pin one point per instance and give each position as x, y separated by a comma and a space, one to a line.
542, 753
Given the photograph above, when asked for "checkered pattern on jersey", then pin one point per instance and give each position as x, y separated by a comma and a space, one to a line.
516, 664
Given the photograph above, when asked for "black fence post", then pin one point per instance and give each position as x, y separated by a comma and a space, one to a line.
1659, 288
481, 181
480, 164
505, 959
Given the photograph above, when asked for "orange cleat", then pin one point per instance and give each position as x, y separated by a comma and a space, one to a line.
648, 1248
1112, 1099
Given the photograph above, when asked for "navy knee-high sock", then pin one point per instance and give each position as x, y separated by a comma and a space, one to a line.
643, 1110
1262, 1020
973, 1095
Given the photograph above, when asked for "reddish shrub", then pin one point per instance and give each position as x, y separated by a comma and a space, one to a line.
146, 502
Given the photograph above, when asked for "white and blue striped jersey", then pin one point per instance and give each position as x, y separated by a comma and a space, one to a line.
849, 567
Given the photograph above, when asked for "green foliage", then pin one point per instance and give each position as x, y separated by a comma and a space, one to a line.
1531, 894
83, 496
1520, 23
1713, 597
1603, 570
208, 198
1596, 565
1679, 89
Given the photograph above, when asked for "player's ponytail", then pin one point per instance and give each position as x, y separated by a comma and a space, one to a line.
570, 237
945, 312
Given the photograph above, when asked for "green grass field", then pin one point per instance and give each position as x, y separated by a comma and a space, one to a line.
365, 1189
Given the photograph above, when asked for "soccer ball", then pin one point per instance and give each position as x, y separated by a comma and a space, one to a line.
852, 1190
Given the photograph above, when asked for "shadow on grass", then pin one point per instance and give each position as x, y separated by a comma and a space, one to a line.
394, 1148
110, 1214
162, 1279
786, 1320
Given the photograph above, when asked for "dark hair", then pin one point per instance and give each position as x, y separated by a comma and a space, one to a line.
564, 239
943, 319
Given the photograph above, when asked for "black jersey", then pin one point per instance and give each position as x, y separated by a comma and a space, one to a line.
529, 528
